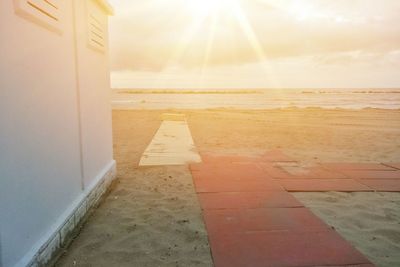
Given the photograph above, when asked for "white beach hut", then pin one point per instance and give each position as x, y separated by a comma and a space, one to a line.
56, 155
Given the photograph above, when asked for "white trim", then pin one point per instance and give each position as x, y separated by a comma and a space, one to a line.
104, 178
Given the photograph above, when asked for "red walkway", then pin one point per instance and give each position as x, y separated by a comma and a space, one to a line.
253, 221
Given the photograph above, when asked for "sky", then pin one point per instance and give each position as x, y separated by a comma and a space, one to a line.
255, 44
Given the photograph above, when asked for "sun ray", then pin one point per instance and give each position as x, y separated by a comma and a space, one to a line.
176, 55
210, 11
210, 43
249, 32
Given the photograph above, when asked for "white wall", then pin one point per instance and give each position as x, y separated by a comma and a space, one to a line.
40, 151
94, 95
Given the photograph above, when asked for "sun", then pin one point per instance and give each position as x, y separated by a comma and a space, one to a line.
204, 8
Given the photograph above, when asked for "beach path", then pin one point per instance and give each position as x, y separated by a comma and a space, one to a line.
152, 217
172, 145
253, 221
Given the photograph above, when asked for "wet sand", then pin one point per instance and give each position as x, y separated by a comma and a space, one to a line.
152, 217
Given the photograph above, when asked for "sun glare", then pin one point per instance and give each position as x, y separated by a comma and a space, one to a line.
204, 8
302, 12
206, 16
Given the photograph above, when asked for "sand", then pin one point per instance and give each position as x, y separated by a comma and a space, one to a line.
369, 221
152, 217
310, 135
159, 211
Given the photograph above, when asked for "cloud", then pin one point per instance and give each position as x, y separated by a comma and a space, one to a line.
151, 35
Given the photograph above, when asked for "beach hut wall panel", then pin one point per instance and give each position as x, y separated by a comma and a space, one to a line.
39, 136
55, 133
94, 87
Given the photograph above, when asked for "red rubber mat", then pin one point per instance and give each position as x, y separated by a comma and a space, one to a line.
248, 200
283, 249
271, 219
323, 185
218, 184
276, 156
252, 221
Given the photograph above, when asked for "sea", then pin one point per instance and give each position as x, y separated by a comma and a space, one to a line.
256, 99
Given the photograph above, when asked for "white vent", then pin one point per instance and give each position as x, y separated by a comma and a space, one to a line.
47, 13
96, 33
96, 27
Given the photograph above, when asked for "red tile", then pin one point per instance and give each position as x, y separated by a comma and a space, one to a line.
382, 185
372, 174
307, 173
393, 165
275, 172
240, 200
317, 173
195, 166
261, 219
211, 158
234, 184
243, 200
228, 171
277, 156
283, 249
357, 166
323, 185
320, 173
